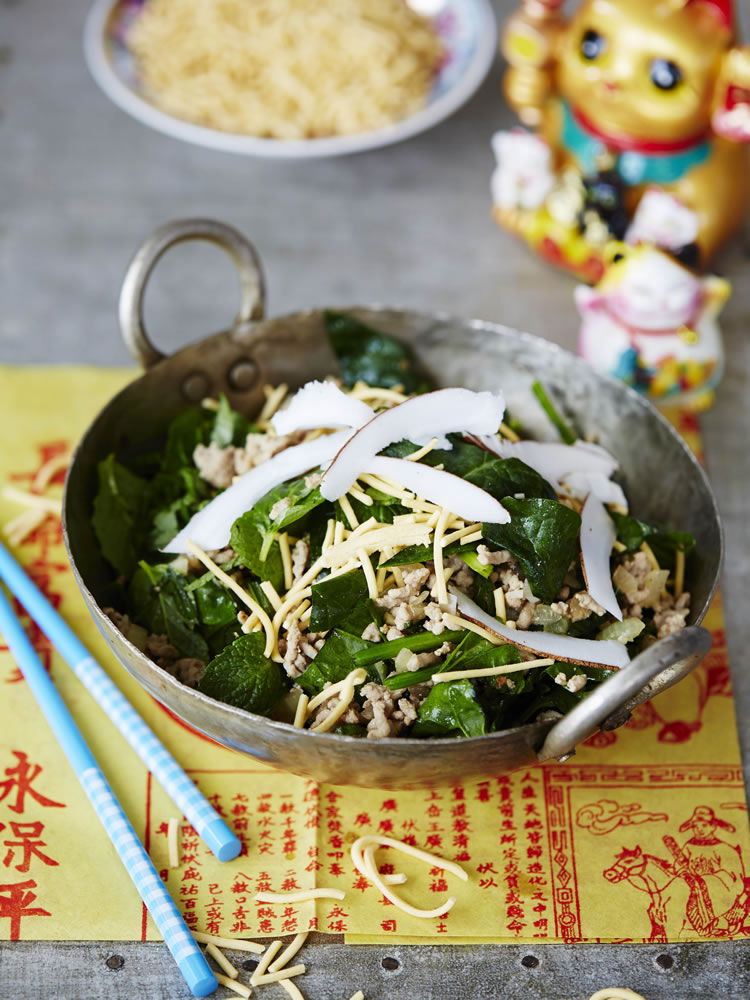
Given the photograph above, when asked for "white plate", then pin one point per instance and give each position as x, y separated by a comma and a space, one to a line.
466, 27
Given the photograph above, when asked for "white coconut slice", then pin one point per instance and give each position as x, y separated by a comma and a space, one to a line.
429, 415
211, 526
583, 484
594, 652
597, 538
554, 461
457, 495
321, 404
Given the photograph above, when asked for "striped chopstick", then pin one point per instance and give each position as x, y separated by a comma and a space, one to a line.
188, 956
197, 810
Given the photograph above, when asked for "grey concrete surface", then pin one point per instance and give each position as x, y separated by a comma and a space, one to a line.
81, 184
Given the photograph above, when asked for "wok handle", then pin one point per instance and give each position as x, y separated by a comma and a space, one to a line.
654, 670
241, 251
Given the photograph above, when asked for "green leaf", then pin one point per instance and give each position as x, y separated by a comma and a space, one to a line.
450, 706
343, 602
161, 601
241, 675
474, 652
229, 426
632, 533
501, 477
216, 604
188, 429
483, 592
543, 536
373, 357
335, 659
246, 538
118, 514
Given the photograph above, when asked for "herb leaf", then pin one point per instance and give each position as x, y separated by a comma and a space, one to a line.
543, 535
334, 661
448, 707
162, 602
117, 516
342, 601
241, 675
370, 356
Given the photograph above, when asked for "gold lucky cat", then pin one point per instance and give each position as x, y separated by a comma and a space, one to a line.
628, 96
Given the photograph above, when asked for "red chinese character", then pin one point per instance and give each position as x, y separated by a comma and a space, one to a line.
485, 883
21, 777
362, 820
486, 866
389, 805
388, 925
27, 832
385, 826
439, 885
336, 926
14, 904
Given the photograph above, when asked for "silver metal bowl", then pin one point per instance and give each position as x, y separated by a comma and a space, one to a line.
661, 477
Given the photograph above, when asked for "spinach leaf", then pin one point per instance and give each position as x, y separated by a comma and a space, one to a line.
343, 602
246, 538
373, 357
161, 601
633, 533
175, 497
216, 604
118, 514
448, 707
302, 500
229, 426
423, 553
334, 661
350, 729
500, 477
185, 431
474, 652
241, 675
543, 536
483, 593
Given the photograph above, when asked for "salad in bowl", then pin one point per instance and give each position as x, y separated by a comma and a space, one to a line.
373, 557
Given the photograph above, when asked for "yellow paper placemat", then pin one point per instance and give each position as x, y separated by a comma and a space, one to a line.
642, 836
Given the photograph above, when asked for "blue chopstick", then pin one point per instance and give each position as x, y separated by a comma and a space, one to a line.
200, 813
188, 956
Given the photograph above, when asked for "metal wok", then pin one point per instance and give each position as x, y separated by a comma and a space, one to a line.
661, 477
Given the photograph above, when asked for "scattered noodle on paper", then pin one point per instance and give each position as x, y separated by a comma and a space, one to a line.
286, 69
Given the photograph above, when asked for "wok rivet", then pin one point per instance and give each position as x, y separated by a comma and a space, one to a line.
195, 386
243, 374
390, 964
115, 962
529, 961
664, 962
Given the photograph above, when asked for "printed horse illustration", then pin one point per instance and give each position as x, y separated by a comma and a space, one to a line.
651, 875
681, 899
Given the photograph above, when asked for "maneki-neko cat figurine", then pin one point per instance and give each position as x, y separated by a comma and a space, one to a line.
627, 96
651, 322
